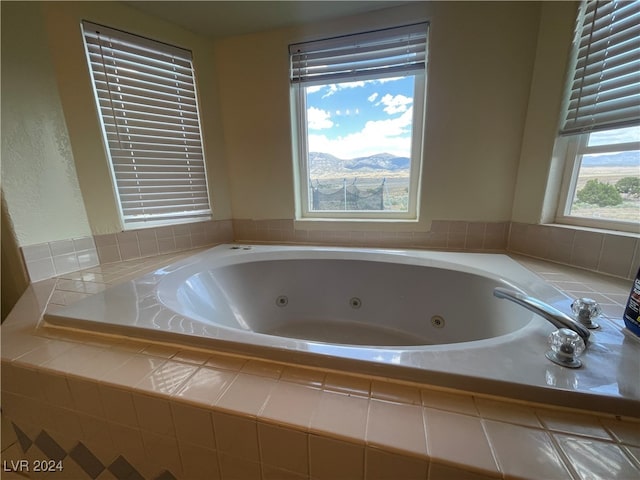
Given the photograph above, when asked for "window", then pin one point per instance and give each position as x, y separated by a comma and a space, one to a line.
358, 109
147, 103
601, 124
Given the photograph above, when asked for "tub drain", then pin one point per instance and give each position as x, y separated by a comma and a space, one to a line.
282, 301
437, 321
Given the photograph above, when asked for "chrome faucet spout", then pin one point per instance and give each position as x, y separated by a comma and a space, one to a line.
553, 315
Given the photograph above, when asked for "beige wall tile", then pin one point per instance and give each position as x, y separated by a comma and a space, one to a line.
205, 386
381, 465
335, 382
118, 406
396, 427
162, 453
617, 255
236, 436
133, 370
199, 463
333, 459
340, 416
127, 439
586, 249
594, 459
446, 472
303, 376
238, 468
291, 404
395, 392
507, 412
531, 456
284, 448
624, 432
246, 395
459, 440
453, 402
193, 425
154, 414
572, 423
56, 390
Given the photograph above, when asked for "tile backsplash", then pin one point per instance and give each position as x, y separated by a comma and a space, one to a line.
46, 260
616, 254
148, 242
444, 234
610, 253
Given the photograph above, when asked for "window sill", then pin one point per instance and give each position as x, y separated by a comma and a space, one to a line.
589, 225
392, 224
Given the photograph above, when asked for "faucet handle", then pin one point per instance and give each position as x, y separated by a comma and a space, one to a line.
566, 346
585, 310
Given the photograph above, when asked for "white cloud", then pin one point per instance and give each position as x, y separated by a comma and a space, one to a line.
390, 79
335, 87
372, 97
395, 104
318, 119
390, 136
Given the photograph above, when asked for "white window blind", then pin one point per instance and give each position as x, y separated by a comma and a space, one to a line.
146, 97
605, 90
372, 55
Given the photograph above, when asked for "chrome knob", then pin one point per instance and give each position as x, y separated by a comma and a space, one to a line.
585, 310
566, 346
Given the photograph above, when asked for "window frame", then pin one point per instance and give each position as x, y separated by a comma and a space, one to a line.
575, 147
169, 124
302, 188
584, 112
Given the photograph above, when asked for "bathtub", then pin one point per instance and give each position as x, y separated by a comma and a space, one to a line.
419, 316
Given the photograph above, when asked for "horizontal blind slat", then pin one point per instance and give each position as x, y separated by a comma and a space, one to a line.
113, 93
135, 75
132, 54
138, 110
168, 94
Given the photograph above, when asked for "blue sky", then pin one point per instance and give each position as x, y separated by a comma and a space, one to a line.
628, 134
357, 119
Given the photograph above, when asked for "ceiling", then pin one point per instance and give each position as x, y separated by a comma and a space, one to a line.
217, 19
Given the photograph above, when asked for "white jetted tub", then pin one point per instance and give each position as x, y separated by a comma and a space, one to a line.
422, 316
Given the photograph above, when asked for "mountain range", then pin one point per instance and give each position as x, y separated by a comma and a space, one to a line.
621, 159
326, 164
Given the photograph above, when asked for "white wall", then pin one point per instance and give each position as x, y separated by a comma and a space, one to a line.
484, 99
55, 174
539, 174
39, 180
481, 62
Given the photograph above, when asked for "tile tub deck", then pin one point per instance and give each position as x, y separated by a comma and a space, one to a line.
110, 407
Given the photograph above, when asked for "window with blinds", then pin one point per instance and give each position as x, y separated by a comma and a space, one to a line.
600, 126
358, 119
147, 102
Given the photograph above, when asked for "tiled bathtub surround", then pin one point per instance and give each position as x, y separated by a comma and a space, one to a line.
450, 235
46, 260
615, 254
118, 408
56, 258
161, 240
